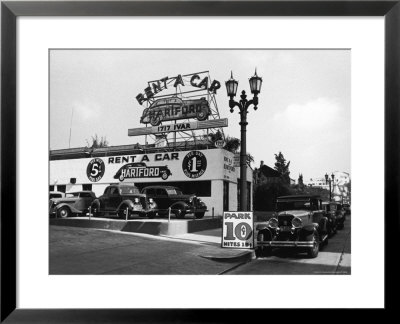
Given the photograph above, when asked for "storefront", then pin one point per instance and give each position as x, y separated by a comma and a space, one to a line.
209, 173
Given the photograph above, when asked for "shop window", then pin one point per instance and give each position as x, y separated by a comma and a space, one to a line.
87, 186
61, 188
51, 188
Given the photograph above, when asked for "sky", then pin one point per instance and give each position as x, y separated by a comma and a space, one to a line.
304, 106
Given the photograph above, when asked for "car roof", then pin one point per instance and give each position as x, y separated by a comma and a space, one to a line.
299, 197
72, 192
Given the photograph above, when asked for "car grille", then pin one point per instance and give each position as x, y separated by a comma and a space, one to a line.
285, 220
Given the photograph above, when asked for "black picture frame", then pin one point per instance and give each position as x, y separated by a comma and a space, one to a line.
10, 10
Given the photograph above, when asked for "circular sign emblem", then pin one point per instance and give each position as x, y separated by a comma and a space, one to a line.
95, 169
194, 164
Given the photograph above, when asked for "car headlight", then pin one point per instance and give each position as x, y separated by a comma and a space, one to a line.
137, 200
296, 222
151, 200
273, 223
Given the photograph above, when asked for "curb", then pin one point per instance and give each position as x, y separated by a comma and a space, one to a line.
242, 257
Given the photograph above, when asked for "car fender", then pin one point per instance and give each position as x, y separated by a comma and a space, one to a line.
261, 227
308, 229
179, 205
71, 208
126, 202
95, 204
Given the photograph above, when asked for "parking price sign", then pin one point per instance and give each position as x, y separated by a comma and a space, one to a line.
237, 230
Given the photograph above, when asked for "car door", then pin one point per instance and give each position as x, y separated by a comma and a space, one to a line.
162, 199
115, 199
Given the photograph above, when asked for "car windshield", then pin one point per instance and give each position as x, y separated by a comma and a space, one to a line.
293, 205
174, 191
128, 191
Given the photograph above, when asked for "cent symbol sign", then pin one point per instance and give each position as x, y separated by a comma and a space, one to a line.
95, 169
194, 164
237, 230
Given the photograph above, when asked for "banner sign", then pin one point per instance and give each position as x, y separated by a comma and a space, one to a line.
141, 170
179, 127
212, 164
196, 80
237, 230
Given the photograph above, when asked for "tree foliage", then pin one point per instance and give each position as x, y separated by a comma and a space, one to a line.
97, 142
265, 194
282, 167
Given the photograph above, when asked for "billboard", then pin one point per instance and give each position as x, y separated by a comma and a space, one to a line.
212, 164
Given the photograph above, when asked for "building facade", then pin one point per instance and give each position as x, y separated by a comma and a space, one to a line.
208, 173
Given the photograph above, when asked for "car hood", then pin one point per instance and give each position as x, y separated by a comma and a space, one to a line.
295, 213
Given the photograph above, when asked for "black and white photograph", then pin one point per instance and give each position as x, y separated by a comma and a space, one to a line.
199, 161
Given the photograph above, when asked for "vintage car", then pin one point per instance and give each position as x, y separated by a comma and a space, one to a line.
123, 200
340, 213
74, 203
140, 169
165, 198
330, 213
299, 223
175, 108
347, 209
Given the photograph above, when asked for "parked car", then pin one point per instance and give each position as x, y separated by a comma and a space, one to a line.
121, 199
347, 209
299, 222
175, 108
56, 194
165, 197
340, 213
74, 203
332, 218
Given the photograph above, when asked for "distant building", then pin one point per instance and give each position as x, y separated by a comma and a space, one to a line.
339, 186
266, 174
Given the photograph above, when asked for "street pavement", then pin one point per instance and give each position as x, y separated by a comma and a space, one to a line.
98, 251
92, 251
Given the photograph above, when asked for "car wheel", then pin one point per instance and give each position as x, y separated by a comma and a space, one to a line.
122, 213
199, 215
64, 212
179, 214
202, 115
262, 251
312, 252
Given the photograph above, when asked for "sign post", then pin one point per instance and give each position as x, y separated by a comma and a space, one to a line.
237, 230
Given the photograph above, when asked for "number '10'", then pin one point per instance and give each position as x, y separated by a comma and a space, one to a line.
242, 231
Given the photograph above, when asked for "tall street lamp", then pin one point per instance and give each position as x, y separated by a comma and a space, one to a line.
330, 180
231, 88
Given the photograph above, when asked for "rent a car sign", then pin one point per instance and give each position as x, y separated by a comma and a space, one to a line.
237, 230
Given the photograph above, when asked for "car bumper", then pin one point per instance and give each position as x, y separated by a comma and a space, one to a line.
285, 244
